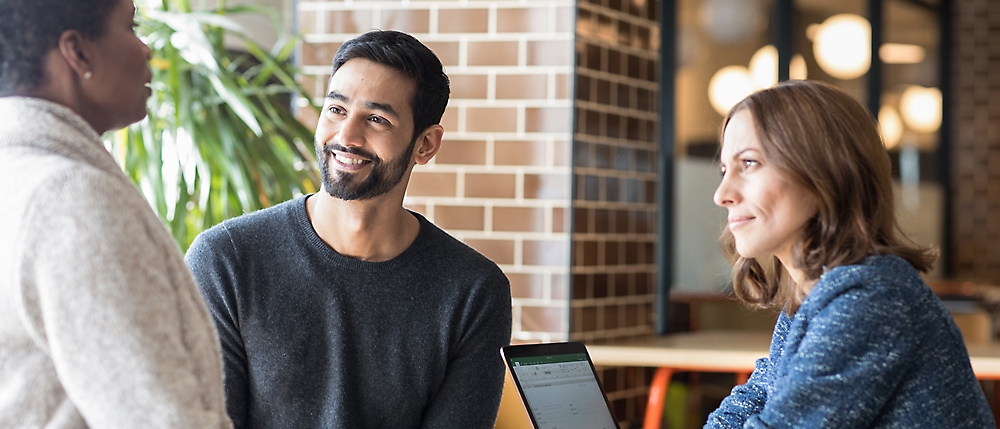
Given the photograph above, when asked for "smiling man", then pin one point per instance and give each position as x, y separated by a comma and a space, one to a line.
342, 308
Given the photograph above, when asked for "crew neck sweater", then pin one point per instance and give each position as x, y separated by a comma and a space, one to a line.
315, 339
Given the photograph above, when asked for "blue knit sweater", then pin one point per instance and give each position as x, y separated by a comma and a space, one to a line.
871, 346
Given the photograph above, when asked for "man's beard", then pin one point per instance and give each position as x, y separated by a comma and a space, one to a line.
382, 178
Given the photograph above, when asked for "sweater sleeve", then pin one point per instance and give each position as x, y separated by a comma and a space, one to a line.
852, 356
748, 399
744, 401
212, 259
105, 292
469, 397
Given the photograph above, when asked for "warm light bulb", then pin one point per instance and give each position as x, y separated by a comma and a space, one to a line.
921, 108
901, 53
842, 46
797, 68
729, 85
764, 67
890, 125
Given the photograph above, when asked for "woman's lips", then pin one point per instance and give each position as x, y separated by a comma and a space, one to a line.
738, 221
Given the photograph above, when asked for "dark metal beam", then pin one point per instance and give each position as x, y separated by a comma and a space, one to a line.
665, 164
875, 18
783, 36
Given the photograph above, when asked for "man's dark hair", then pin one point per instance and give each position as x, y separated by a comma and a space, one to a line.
29, 29
407, 55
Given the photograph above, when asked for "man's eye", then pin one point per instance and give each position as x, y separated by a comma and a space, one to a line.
335, 110
378, 120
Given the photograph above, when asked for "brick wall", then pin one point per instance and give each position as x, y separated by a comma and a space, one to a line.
975, 140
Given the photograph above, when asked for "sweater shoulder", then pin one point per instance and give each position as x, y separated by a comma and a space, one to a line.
880, 274
451, 250
259, 225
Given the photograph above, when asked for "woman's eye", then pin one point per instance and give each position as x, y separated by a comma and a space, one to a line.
747, 163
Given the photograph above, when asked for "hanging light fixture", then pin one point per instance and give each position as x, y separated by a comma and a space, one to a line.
921, 108
891, 126
764, 67
730, 21
728, 86
842, 46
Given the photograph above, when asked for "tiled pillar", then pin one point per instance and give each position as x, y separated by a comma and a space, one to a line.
975, 140
614, 157
614, 173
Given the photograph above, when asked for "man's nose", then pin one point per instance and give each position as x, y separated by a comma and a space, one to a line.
351, 132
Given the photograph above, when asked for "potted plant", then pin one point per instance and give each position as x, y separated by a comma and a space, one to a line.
220, 138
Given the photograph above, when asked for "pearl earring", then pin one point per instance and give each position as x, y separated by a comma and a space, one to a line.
88, 75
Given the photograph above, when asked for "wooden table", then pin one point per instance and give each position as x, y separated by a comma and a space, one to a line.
724, 351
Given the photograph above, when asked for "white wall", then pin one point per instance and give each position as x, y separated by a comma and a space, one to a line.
698, 264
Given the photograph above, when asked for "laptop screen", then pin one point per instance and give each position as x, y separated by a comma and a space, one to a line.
562, 392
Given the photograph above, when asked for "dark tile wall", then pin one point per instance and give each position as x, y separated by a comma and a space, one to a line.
975, 137
613, 264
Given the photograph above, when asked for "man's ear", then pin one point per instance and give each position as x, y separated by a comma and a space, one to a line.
428, 144
73, 49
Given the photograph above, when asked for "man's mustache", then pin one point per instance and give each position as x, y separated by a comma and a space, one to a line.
329, 147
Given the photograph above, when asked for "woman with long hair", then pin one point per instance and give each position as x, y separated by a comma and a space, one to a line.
862, 341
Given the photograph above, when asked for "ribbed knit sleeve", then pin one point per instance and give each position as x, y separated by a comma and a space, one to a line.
107, 296
871, 346
101, 324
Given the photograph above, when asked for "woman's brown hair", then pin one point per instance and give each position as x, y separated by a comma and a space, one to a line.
824, 140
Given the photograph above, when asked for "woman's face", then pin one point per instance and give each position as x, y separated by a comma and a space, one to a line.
767, 212
117, 91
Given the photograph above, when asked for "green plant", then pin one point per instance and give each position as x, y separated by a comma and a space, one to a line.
220, 139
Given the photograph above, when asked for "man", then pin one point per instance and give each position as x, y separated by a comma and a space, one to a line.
342, 308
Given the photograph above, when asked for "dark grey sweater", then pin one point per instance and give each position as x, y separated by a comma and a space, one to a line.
313, 339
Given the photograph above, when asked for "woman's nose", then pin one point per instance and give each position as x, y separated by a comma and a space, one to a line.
725, 195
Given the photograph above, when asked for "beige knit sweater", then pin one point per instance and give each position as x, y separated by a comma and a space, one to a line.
101, 324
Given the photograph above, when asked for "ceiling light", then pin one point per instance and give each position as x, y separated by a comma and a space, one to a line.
842, 46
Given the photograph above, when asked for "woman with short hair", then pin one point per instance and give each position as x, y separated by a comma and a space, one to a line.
862, 341
101, 324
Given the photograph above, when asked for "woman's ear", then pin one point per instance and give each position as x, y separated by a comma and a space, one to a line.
72, 47
428, 144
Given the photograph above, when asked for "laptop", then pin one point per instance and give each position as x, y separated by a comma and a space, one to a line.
559, 386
